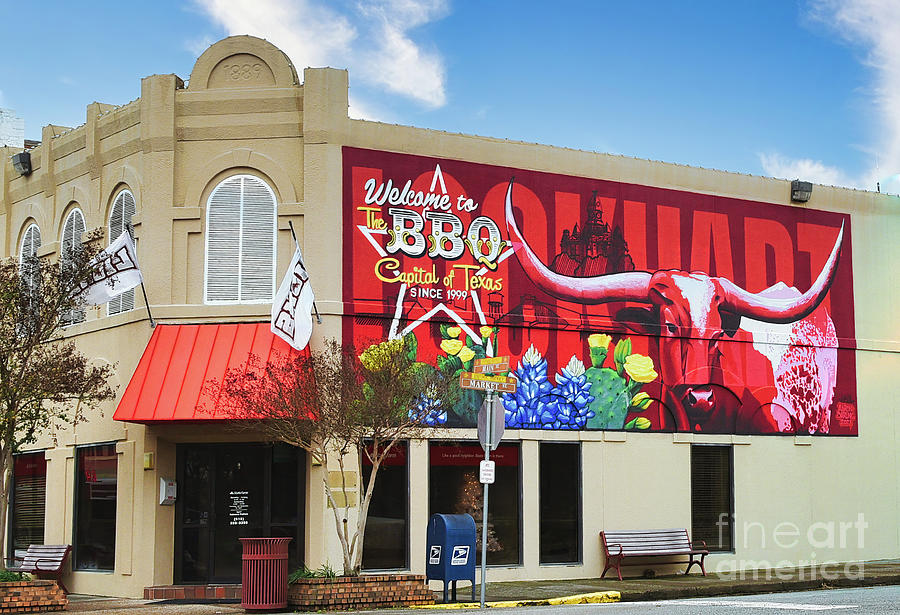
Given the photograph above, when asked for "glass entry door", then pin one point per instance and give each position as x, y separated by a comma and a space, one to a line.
232, 491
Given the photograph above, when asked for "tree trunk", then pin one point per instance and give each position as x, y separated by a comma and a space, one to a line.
363, 517
5, 483
339, 526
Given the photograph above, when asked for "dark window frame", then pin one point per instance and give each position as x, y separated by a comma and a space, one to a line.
10, 517
520, 502
579, 505
715, 548
75, 506
407, 512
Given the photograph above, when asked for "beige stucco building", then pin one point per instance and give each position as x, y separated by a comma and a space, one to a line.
250, 131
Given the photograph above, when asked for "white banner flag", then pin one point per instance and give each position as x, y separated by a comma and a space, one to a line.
292, 305
115, 271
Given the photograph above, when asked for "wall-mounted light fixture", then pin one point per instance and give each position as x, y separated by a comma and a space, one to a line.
22, 163
800, 191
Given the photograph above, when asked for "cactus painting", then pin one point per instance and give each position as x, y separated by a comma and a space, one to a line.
594, 398
616, 389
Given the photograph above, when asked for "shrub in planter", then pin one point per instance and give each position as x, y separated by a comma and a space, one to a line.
8, 576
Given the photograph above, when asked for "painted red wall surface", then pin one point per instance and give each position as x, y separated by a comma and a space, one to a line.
614, 364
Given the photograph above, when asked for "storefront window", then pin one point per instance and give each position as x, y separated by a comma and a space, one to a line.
95, 514
560, 482
29, 494
454, 489
386, 543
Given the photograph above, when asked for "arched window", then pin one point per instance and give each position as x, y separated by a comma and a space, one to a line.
73, 229
120, 221
31, 241
29, 268
240, 242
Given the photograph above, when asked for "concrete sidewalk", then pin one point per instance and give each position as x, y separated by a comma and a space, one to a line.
882, 572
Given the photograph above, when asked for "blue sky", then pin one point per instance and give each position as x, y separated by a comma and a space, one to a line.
806, 89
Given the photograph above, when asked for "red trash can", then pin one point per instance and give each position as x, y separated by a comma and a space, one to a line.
264, 576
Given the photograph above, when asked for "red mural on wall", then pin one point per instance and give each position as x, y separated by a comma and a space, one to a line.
622, 306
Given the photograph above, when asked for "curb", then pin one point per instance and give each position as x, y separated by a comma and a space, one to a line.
591, 598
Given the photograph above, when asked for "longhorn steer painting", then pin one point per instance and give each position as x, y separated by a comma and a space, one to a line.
621, 306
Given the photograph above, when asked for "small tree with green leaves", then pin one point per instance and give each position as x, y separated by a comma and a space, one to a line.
334, 402
45, 381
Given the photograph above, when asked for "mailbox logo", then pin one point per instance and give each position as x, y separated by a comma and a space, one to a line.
434, 557
460, 555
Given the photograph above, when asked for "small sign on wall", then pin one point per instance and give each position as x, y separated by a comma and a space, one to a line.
167, 491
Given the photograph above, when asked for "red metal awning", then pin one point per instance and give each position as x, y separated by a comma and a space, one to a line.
169, 382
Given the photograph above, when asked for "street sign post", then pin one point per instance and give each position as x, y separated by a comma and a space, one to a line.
490, 429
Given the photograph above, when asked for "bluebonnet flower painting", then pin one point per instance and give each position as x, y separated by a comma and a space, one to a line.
430, 412
571, 398
529, 407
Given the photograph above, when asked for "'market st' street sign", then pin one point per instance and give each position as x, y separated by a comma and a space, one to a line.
484, 382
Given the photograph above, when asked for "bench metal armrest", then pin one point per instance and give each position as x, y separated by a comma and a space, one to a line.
615, 544
702, 544
57, 564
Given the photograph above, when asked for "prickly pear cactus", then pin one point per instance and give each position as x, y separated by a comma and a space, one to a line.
611, 397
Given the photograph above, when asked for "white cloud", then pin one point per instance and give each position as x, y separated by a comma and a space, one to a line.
815, 171
398, 63
872, 24
198, 45
371, 38
1, 98
361, 110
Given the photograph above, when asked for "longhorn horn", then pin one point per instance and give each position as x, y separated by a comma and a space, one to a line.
624, 286
769, 309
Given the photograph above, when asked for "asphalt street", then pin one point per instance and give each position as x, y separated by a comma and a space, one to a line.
868, 600
865, 600
879, 600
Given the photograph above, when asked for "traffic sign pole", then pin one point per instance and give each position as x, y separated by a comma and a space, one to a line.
482, 378
484, 514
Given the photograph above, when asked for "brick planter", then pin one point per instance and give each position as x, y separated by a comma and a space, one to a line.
32, 597
363, 592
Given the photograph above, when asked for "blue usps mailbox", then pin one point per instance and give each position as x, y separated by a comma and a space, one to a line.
451, 550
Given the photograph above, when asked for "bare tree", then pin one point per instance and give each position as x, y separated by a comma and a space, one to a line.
336, 402
45, 381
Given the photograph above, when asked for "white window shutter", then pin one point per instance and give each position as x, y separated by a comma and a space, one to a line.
240, 241
73, 229
123, 211
257, 241
223, 250
30, 242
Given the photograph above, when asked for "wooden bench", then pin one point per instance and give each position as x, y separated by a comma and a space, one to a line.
622, 544
46, 560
